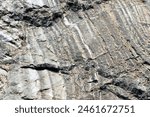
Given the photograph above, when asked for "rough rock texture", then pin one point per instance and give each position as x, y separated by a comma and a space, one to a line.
75, 49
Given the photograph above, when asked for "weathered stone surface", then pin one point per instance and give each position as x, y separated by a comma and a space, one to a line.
75, 49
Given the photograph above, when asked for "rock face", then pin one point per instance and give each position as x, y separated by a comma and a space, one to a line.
74, 49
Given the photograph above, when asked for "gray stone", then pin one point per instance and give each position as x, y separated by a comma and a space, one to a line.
74, 49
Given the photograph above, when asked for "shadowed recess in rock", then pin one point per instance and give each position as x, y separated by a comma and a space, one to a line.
50, 67
44, 17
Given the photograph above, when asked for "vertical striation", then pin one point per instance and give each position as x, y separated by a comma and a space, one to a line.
74, 49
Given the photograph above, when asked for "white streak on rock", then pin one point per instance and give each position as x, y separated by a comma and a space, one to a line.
35, 2
67, 23
54, 3
5, 37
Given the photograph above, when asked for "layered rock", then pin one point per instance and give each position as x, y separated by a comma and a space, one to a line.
74, 49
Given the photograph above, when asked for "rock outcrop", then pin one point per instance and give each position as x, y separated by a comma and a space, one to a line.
74, 49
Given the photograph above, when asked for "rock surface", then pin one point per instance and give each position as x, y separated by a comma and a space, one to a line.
74, 49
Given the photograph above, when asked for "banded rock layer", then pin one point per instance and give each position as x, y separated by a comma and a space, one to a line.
74, 49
